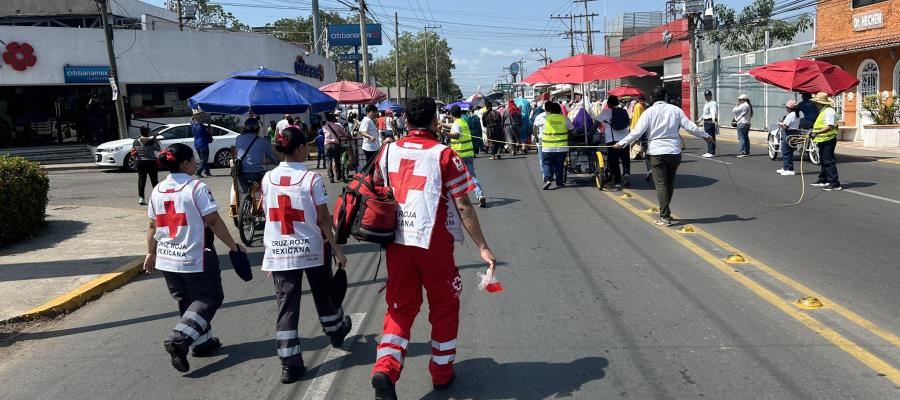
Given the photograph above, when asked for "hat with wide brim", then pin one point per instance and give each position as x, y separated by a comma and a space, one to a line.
822, 98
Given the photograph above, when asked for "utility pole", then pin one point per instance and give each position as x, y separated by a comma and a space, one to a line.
103, 7
587, 25
317, 27
397, 54
427, 83
180, 18
437, 80
569, 33
543, 52
364, 41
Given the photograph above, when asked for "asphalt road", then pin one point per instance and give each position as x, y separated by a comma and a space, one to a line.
598, 304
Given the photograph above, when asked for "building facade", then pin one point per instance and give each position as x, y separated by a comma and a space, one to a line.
54, 84
863, 38
664, 50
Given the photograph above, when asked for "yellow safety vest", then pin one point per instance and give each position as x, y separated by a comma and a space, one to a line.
820, 124
463, 145
555, 132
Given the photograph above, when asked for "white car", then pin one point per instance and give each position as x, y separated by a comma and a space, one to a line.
117, 153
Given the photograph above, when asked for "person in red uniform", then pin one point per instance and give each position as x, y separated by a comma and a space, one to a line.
430, 183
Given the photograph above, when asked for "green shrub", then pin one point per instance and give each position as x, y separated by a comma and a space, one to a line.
23, 198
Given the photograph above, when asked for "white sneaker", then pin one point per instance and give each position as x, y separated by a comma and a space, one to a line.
818, 184
707, 155
742, 155
788, 173
779, 171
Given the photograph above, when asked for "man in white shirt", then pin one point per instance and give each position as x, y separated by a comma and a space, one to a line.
662, 123
284, 123
537, 131
710, 119
369, 131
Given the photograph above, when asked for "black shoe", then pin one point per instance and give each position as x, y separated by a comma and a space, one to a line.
337, 338
626, 180
482, 202
384, 388
443, 386
206, 348
546, 185
291, 374
832, 188
179, 356
561, 184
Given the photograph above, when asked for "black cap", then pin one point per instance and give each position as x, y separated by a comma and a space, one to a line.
707, 93
241, 265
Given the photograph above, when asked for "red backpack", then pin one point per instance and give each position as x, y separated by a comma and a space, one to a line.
367, 209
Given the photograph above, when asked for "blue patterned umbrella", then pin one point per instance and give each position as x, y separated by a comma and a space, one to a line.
261, 91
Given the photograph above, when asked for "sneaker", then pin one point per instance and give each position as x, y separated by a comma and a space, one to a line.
178, 356
561, 184
819, 184
291, 374
742, 155
779, 171
832, 188
384, 388
141, 201
337, 338
664, 222
482, 201
440, 387
546, 185
706, 155
617, 187
788, 173
206, 348
626, 180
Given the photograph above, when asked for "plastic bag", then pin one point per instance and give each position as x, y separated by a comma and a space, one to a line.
489, 282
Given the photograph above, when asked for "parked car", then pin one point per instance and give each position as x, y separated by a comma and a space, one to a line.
117, 153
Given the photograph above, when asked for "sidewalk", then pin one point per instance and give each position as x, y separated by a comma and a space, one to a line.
71, 167
82, 253
854, 149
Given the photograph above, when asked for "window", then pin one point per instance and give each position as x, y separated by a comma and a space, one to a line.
868, 79
178, 132
896, 79
863, 3
839, 106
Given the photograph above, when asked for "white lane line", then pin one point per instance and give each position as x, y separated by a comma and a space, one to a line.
707, 159
321, 384
872, 196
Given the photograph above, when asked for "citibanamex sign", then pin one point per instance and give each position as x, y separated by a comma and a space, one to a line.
303, 69
19, 55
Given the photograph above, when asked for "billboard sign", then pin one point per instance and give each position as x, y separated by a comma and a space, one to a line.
86, 74
352, 57
348, 35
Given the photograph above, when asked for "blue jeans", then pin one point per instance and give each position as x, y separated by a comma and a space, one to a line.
203, 155
711, 129
743, 135
787, 152
553, 163
470, 165
540, 159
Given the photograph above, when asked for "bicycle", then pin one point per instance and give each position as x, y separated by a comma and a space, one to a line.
806, 147
250, 214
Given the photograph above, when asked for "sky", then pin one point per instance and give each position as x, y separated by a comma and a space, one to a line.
485, 35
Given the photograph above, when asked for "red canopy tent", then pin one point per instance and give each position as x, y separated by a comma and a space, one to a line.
806, 76
349, 92
626, 91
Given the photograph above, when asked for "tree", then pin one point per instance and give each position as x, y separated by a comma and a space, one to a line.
208, 15
299, 30
746, 32
412, 65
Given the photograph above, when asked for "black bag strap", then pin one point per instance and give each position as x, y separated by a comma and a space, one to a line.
250, 147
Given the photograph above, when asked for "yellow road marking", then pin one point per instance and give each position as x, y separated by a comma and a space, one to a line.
793, 284
876, 364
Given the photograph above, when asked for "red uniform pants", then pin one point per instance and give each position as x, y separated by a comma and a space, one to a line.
409, 269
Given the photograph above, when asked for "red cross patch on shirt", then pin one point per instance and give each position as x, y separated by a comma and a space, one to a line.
171, 219
404, 180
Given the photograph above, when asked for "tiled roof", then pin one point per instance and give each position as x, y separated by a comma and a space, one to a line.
853, 46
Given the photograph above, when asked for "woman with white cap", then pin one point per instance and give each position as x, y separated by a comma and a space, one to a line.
743, 113
790, 126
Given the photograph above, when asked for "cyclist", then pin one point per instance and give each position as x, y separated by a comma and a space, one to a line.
253, 154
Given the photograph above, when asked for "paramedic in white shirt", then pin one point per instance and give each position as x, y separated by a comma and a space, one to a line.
662, 123
790, 127
710, 119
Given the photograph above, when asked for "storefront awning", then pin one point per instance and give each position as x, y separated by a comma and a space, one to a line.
853, 46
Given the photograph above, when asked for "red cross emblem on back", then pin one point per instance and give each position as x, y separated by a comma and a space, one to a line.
403, 180
285, 214
171, 219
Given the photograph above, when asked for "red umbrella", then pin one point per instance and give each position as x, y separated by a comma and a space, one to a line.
806, 76
627, 91
349, 92
585, 68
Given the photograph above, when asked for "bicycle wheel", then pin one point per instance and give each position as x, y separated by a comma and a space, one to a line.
246, 220
814, 154
772, 147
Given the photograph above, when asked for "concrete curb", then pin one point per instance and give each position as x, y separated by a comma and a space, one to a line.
74, 167
81, 295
